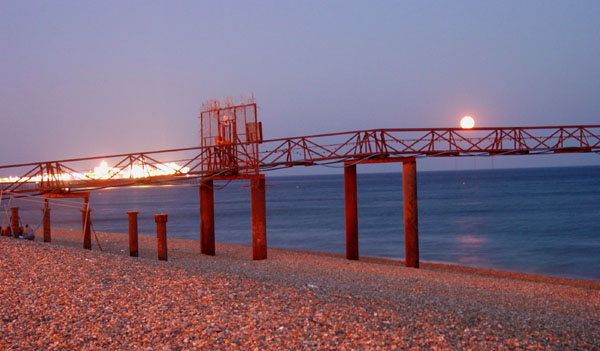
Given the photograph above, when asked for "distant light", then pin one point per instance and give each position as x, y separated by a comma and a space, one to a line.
467, 122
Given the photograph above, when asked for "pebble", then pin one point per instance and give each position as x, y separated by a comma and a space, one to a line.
56, 296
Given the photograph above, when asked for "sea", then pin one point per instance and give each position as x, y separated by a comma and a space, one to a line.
532, 220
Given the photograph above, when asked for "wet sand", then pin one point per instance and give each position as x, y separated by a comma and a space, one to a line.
59, 296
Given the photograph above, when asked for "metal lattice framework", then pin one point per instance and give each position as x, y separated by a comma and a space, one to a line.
230, 135
446, 142
175, 165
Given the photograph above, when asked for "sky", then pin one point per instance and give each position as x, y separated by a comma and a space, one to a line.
87, 78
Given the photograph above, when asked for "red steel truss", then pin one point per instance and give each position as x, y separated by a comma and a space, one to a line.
447, 142
356, 146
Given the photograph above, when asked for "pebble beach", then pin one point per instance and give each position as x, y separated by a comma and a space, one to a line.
57, 296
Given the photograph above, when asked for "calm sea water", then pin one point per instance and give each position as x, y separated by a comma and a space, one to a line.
543, 221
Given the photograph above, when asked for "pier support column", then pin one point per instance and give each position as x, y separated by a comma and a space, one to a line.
14, 221
207, 218
411, 226
86, 220
133, 233
46, 222
351, 206
259, 217
161, 235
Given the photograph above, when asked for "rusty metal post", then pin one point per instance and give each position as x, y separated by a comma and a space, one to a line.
411, 226
14, 221
351, 206
161, 235
259, 217
207, 218
86, 220
133, 233
46, 222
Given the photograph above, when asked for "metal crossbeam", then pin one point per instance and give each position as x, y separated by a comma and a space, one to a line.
449, 142
378, 144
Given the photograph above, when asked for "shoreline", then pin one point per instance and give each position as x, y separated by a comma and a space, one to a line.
57, 295
432, 265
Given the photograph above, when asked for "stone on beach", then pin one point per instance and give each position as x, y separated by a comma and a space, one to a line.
58, 296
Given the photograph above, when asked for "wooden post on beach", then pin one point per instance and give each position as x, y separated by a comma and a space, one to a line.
86, 222
133, 233
207, 218
411, 227
351, 207
46, 222
161, 235
259, 217
14, 221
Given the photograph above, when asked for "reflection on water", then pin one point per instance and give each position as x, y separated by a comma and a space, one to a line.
469, 250
470, 241
474, 261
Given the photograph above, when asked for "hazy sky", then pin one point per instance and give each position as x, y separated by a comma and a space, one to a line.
85, 78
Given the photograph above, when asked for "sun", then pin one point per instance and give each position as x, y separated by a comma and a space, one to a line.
467, 122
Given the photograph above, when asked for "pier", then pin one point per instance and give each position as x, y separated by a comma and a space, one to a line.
232, 148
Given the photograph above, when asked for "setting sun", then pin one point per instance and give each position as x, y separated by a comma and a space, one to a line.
467, 122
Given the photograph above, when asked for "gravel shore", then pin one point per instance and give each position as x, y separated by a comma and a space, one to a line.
58, 296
